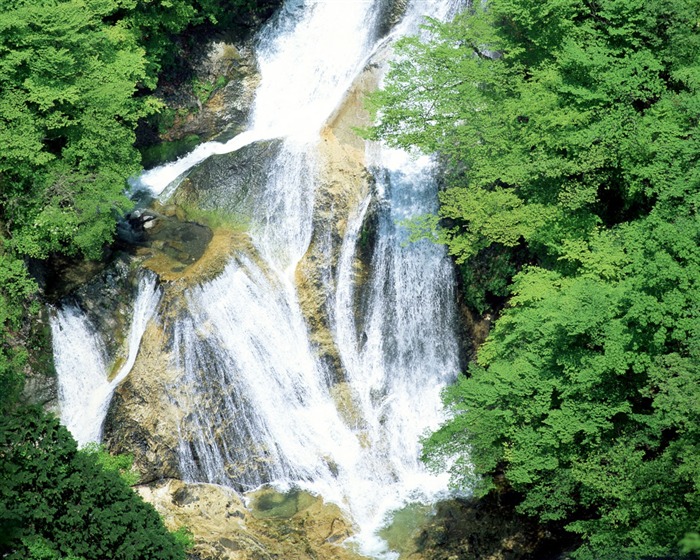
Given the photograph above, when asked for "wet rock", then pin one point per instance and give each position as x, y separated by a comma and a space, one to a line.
487, 529
40, 384
224, 529
362, 266
392, 12
229, 183
142, 418
183, 241
42, 389
177, 249
231, 72
343, 183
107, 300
215, 516
166, 261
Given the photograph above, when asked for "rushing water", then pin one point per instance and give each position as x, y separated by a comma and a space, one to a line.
261, 407
85, 387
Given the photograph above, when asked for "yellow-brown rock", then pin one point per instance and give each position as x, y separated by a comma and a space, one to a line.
224, 529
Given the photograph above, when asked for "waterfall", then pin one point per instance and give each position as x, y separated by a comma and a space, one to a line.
406, 352
308, 56
258, 404
273, 408
85, 387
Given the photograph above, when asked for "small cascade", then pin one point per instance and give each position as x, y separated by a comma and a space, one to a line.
85, 387
245, 347
406, 349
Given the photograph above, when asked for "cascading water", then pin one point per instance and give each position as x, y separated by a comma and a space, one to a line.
258, 404
276, 415
80, 356
308, 57
405, 352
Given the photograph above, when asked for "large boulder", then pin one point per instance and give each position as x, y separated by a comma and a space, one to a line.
228, 183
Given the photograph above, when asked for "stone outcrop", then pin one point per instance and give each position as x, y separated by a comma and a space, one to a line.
229, 182
40, 385
142, 419
295, 526
216, 102
343, 182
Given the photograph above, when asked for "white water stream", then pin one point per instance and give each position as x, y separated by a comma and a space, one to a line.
80, 357
262, 407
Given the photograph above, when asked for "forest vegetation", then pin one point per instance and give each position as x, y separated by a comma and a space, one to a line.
76, 76
568, 131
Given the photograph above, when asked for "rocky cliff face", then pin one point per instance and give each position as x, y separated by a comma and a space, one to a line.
343, 182
222, 94
213, 103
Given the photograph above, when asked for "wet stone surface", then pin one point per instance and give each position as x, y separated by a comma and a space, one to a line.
182, 242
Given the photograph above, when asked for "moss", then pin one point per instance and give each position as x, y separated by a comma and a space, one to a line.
152, 156
38, 344
217, 254
203, 89
217, 218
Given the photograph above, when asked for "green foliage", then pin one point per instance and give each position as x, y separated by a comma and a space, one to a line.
40, 549
122, 464
183, 536
486, 277
57, 502
16, 289
216, 218
586, 395
543, 145
73, 75
68, 114
691, 543
569, 133
203, 90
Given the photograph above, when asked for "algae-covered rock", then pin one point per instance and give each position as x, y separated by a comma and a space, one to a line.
488, 528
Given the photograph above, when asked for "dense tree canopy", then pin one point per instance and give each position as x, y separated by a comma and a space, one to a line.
57, 502
569, 135
67, 113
